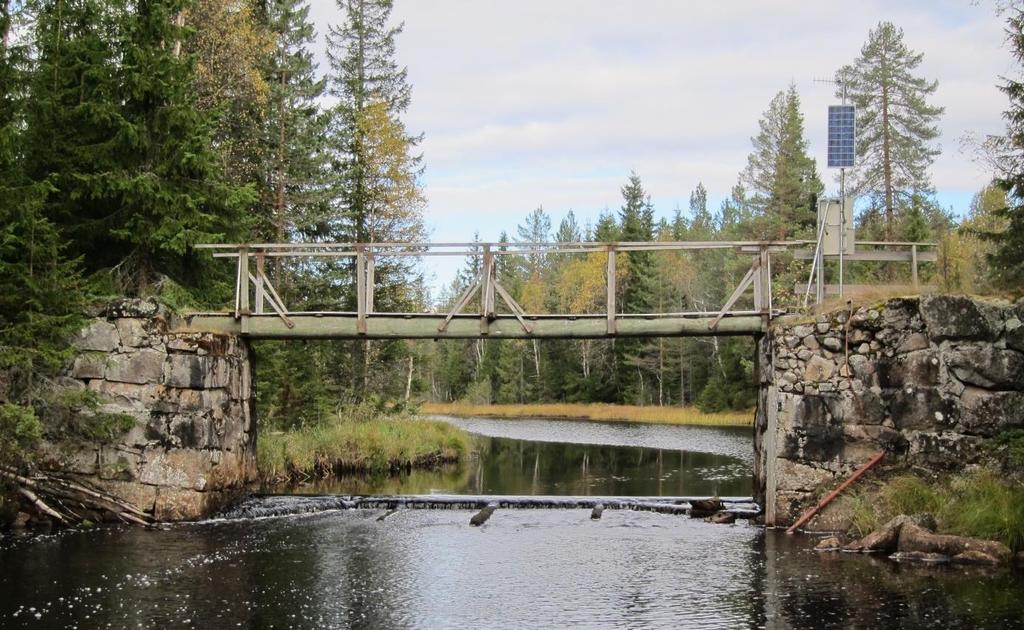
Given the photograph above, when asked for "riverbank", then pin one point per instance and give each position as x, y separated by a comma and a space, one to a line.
375, 445
982, 504
595, 412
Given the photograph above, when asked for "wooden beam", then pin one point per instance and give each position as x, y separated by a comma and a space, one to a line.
463, 327
610, 298
872, 256
360, 289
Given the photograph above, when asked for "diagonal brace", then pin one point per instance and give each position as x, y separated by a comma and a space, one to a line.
747, 280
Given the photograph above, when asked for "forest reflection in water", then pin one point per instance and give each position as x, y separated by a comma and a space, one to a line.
525, 467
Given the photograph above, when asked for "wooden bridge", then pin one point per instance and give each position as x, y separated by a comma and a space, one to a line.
259, 311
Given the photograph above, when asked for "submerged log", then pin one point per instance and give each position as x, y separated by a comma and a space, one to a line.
481, 517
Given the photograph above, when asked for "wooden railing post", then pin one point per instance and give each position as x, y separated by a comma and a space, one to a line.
370, 271
913, 265
260, 283
487, 291
243, 287
611, 290
360, 290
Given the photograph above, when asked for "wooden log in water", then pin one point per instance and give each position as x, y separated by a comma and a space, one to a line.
595, 514
481, 517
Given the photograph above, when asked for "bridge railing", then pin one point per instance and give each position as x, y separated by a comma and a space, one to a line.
256, 295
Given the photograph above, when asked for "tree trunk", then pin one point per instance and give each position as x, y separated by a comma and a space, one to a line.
887, 155
408, 380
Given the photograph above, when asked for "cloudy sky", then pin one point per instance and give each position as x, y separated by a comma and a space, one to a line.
554, 102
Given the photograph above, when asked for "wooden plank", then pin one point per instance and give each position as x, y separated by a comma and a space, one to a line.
737, 292
610, 297
371, 281
869, 289
868, 256
427, 327
260, 277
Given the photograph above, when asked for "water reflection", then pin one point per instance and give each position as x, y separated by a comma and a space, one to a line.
509, 466
525, 568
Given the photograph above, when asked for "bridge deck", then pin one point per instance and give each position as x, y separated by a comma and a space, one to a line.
428, 326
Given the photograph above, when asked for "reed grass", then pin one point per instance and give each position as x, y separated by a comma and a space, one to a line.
596, 412
981, 505
353, 446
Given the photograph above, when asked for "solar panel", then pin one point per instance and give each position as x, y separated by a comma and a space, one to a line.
841, 135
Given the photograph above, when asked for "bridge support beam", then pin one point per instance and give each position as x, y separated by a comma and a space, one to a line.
419, 326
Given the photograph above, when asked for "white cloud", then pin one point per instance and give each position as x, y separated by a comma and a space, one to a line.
553, 102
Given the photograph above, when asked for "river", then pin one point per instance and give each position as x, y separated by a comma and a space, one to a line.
523, 569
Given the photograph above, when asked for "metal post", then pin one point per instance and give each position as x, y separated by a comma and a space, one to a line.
360, 290
611, 289
842, 222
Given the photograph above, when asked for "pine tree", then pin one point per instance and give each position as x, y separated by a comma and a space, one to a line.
1007, 262
895, 123
780, 173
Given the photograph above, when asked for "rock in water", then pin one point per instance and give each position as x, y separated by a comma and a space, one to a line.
481, 517
701, 508
832, 543
595, 514
721, 518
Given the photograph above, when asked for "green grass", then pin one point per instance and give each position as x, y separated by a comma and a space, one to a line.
596, 412
981, 505
376, 445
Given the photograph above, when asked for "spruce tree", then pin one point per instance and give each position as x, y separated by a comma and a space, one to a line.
40, 291
896, 126
780, 174
1007, 262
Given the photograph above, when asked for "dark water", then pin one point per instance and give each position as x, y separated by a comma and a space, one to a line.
523, 569
578, 458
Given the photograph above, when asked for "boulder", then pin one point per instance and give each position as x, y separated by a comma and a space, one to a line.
702, 508
988, 413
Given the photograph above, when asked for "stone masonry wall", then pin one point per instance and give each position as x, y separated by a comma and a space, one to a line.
927, 379
193, 444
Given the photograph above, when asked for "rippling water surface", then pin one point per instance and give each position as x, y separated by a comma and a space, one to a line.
523, 569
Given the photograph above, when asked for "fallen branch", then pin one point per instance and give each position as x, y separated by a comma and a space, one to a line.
41, 505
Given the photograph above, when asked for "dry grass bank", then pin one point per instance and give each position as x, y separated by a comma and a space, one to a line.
596, 412
355, 446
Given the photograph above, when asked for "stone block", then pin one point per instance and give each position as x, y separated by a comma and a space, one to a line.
180, 344
957, 317
89, 365
118, 464
176, 468
193, 431
141, 496
1014, 334
139, 367
921, 409
916, 369
943, 450
864, 407
99, 336
912, 343
133, 333
187, 371
832, 343
987, 366
819, 369
988, 413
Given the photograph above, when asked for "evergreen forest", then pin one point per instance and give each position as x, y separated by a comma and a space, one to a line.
131, 132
